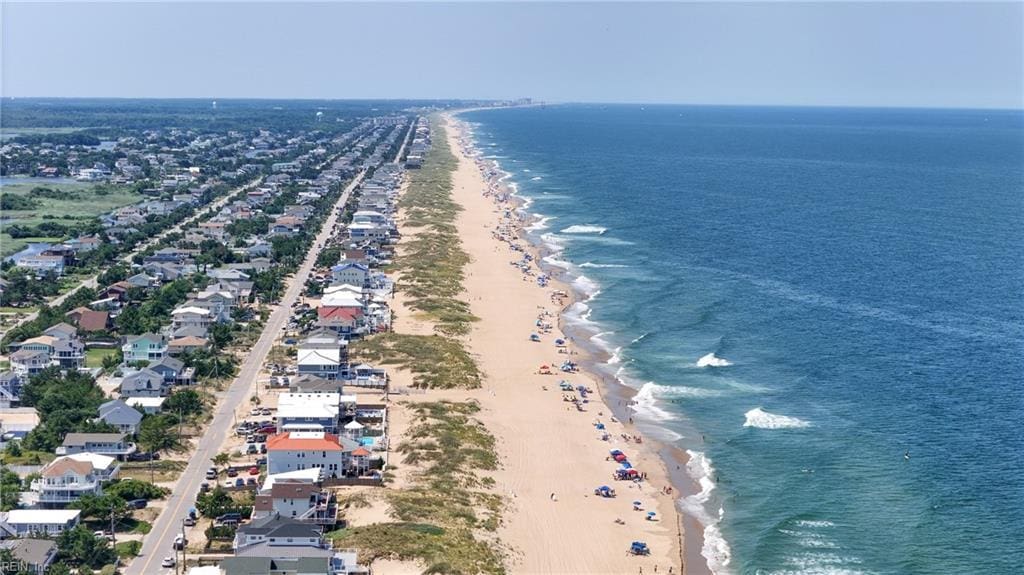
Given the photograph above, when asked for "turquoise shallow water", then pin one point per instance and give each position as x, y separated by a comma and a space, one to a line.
804, 297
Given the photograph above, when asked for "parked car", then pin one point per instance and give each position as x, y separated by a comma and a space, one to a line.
138, 503
261, 461
254, 470
168, 562
211, 473
263, 448
190, 522
239, 482
251, 449
204, 487
250, 481
232, 472
180, 543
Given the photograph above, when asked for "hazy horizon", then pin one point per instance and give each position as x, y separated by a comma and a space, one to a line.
831, 54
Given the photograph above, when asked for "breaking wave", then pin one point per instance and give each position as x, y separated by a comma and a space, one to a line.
585, 229
593, 265
761, 419
712, 360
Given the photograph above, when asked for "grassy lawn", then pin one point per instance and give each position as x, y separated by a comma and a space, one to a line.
9, 245
86, 201
94, 357
28, 458
128, 549
8, 133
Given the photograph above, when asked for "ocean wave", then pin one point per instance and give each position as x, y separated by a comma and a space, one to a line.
586, 285
675, 391
616, 357
585, 229
645, 404
641, 338
541, 223
536, 179
579, 314
712, 360
593, 265
814, 523
551, 260
761, 419
553, 242
715, 548
526, 169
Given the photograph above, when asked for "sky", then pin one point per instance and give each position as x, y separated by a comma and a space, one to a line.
729, 53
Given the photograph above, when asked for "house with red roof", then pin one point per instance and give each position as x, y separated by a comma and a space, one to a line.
297, 450
341, 319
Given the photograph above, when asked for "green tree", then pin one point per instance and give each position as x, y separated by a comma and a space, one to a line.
184, 403
102, 506
79, 546
10, 489
155, 435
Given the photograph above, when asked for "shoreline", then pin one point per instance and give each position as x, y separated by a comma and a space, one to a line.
614, 395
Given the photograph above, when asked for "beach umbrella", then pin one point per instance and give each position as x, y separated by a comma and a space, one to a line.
559, 342
637, 503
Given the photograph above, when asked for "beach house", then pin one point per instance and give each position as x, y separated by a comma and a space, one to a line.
120, 415
296, 450
112, 444
145, 348
44, 522
350, 273
66, 479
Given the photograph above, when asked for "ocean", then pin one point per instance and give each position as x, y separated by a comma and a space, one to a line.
822, 306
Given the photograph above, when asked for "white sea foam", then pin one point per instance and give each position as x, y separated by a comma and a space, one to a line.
712, 360
616, 357
553, 242
586, 285
579, 314
813, 523
593, 265
536, 179
557, 262
760, 418
585, 229
639, 339
715, 548
645, 404
540, 224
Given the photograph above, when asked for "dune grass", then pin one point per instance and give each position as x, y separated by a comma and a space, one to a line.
444, 519
433, 261
436, 362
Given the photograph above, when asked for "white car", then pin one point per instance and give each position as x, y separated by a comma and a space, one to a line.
167, 562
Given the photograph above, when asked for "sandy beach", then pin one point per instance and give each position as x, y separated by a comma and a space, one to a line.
553, 457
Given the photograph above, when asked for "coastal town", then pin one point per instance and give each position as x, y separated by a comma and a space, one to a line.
255, 370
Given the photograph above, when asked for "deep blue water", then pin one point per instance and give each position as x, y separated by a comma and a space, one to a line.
860, 270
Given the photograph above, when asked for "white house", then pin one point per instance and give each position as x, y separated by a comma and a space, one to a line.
68, 478
28, 522
112, 444
350, 273
295, 450
191, 316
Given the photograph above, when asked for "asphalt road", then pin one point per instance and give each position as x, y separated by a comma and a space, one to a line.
167, 526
